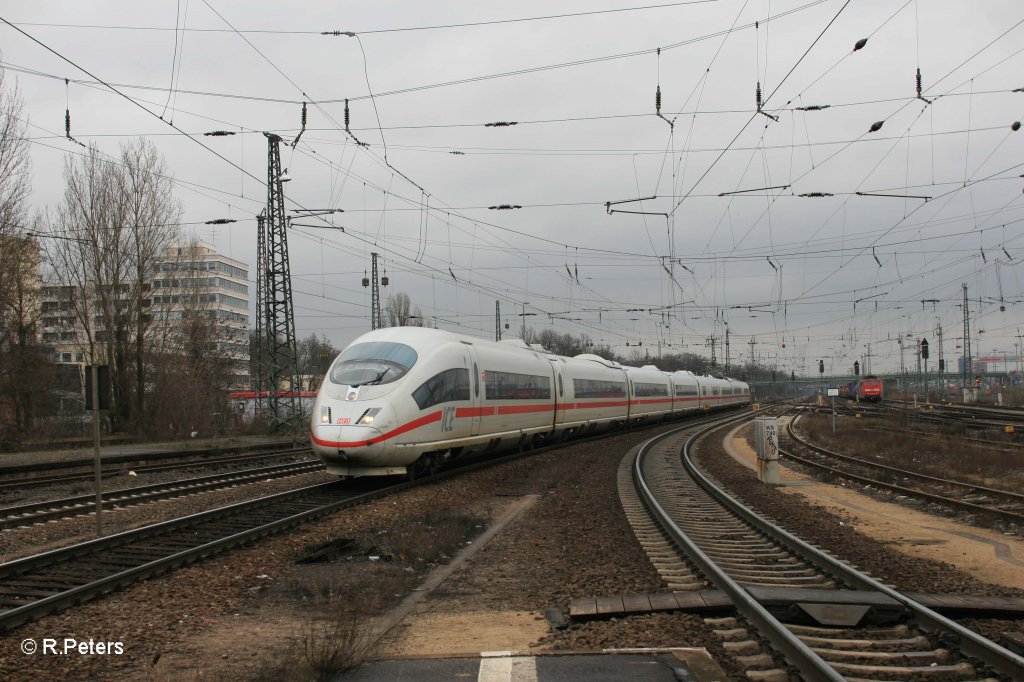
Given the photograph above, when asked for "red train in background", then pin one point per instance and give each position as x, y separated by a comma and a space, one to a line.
868, 389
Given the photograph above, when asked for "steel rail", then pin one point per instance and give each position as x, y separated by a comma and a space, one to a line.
1016, 517
16, 616
110, 472
971, 643
811, 666
79, 505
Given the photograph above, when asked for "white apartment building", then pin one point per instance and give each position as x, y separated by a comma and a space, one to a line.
196, 279
188, 280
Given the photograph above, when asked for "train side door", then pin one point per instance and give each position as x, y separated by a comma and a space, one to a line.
476, 389
559, 395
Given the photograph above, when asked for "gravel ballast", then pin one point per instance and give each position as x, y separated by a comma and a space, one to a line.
234, 616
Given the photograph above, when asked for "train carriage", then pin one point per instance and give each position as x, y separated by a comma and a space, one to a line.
592, 393
650, 393
685, 392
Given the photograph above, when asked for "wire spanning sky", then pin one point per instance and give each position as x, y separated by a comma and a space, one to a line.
784, 186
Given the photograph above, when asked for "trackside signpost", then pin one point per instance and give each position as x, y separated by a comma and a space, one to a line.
97, 397
832, 393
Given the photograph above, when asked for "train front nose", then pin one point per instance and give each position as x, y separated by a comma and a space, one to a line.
336, 441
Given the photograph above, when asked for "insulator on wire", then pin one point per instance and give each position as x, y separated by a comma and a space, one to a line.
860, 44
919, 95
657, 100
67, 122
876, 126
1015, 126
301, 130
346, 116
758, 95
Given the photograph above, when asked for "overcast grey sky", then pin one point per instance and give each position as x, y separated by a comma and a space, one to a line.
805, 277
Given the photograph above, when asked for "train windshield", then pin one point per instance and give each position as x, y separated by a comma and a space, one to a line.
376, 362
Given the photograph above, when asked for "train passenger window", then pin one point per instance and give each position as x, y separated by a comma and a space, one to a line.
641, 388
682, 389
450, 385
511, 386
598, 388
374, 362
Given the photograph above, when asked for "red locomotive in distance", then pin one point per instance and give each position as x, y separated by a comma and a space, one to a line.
867, 389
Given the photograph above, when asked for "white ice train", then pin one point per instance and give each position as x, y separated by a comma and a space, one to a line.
405, 400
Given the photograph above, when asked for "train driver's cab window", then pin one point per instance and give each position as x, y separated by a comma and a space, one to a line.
448, 386
374, 362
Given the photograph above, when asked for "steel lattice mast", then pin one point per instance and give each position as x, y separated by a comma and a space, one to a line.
278, 312
968, 371
259, 379
376, 319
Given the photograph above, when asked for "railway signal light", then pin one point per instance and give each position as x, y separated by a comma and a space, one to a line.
821, 366
924, 349
856, 368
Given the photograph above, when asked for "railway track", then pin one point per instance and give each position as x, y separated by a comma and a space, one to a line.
41, 584
971, 416
23, 476
37, 585
24, 515
992, 503
822, 617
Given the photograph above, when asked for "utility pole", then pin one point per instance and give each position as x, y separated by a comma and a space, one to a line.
1020, 338
968, 369
752, 343
727, 359
711, 341
278, 311
497, 320
259, 380
376, 320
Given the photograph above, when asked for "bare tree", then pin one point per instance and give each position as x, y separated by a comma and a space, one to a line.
151, 214
315, 358
25, 376
400, 312
189, 346
15, 165
117, 217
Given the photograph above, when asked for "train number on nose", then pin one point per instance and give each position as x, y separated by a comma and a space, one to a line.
448, 419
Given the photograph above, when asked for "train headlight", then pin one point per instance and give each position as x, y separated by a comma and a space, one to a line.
325, 414
368, 416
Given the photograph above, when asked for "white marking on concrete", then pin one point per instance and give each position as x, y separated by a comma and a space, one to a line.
508, 669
